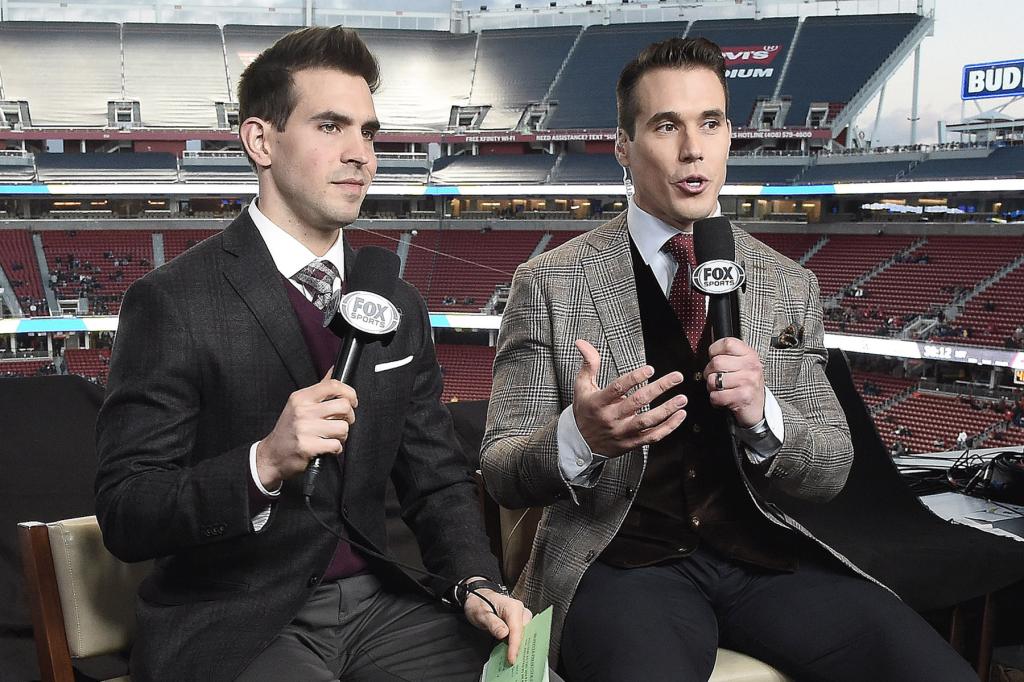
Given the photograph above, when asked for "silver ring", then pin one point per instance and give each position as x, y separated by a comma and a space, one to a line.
718, 382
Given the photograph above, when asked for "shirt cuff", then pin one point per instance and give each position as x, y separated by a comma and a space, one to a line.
579, 466
765, 438
256, 476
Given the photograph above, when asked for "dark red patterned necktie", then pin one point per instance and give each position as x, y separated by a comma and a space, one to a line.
686, 302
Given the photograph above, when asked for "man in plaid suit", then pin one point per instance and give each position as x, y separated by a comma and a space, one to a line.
609, 409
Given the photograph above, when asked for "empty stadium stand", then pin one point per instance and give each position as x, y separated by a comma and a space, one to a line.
176, 72
466, 370
934, 420
762, 174
846, 257
794, 246
992, 327
876, 388
749, 34
578, 169
835, 56
18, 260
177, 242
1001, 162
876, 171
585, 91
16, 167
93, 364
458, 270
515, 67
124, 167
501, 168
423, 73
82, 66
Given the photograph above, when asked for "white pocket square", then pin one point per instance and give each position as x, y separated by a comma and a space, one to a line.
385, 366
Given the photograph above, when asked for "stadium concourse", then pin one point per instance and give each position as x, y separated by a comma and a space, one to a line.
497, 147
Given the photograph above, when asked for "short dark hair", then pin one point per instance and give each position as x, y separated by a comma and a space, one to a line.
266, 88
674, 53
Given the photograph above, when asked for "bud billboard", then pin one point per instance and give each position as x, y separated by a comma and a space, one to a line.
994, 79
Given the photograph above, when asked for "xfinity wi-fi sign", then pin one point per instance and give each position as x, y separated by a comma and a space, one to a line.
994, 79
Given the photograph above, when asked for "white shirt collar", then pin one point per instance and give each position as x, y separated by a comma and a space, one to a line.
288, 253
649, 233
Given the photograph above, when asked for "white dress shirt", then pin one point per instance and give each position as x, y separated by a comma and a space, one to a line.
290, 256
582, 467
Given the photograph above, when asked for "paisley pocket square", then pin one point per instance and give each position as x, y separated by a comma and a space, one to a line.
789, 337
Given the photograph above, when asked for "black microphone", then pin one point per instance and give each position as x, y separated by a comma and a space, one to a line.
361, 316
718, 274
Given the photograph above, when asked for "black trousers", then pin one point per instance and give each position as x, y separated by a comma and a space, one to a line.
351, 629
665, 622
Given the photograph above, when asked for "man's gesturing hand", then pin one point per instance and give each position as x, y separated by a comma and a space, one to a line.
740, 386
610, 421
314, 422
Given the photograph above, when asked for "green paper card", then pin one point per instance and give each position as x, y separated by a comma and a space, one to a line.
531, 663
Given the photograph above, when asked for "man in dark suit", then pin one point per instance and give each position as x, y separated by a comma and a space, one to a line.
214, 411
658, 543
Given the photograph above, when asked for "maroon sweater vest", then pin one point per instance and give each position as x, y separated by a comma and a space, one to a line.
323, 349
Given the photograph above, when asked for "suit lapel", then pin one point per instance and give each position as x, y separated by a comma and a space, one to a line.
251, 272
756, 298
609, 273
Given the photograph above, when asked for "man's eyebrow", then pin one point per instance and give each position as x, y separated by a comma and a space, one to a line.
344, 120
676, 117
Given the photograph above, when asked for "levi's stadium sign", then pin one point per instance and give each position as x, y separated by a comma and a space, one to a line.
750, 61
993, 79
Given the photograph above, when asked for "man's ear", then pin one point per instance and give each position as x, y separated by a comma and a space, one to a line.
622, 147
254, 134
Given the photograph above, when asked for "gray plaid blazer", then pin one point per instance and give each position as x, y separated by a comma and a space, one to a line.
586, 289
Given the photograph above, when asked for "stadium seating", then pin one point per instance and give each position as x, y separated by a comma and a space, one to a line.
25, 368
835, 56
1002, 162
84, 263
578, 169
125, 167
954, 263
515, 67
748, 33
243, 43
176, 73
92, 363
177, 242
502, 168
877, 171
885, 387
423, 73
993, 327
16, 166
761, 174
466, 370
846, 257
464, 267
358, 237
585, 92
790, 245
18, 260
934, 420
67, 71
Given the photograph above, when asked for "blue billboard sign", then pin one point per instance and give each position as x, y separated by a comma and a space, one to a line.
994, 79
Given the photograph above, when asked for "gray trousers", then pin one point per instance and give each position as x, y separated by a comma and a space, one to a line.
351, 629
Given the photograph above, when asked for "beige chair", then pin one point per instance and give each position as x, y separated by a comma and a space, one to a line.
511, 533
81, 597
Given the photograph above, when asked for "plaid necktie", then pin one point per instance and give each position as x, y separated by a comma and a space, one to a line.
318, 277
687, 303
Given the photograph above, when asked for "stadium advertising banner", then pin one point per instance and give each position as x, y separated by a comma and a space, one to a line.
750, 61
993, 79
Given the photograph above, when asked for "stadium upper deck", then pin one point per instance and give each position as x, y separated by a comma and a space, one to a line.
153, 76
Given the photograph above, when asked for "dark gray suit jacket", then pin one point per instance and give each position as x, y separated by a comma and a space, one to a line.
207, 353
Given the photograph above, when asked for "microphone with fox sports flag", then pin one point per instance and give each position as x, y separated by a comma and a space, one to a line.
718, 274
361, 316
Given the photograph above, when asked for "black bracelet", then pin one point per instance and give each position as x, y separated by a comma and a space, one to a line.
456, 595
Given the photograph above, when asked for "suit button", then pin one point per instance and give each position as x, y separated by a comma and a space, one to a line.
698, 376
589, 557
691, 473
629, 491
696, 428
313, 580
694, 521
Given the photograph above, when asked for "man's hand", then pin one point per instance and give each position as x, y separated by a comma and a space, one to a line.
735, 380
314, 422
509, 622
609, 420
